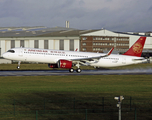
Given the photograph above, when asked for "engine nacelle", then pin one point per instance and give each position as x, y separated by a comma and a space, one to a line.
61, 64
64, 64
53, 65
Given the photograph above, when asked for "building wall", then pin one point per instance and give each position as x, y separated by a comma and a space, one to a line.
104, 43
3, 48
4, 61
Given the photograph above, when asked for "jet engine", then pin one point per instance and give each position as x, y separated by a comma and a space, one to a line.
64, 64
61, 64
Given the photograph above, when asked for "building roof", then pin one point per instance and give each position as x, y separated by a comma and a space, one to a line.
104, 32
40, 31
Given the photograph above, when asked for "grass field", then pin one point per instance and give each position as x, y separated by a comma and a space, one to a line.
112, 85
128, 85
88, 89
54, 96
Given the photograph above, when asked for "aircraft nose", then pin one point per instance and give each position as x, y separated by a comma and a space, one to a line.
4, 55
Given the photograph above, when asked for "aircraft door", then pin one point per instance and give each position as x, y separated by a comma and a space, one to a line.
20, 52
123, 60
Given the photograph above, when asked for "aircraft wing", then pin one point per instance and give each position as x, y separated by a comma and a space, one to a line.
93, 58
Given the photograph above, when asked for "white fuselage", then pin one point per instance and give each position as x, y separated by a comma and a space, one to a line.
52, 56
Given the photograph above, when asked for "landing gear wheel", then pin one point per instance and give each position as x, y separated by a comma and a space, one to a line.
18, 67
19, 62
78, 70
71, 70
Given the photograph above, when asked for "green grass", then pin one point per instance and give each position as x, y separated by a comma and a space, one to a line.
127, 85
55, 94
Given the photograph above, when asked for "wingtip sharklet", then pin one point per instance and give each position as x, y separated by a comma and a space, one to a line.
110, 51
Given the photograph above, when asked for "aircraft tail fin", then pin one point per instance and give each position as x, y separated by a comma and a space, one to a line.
137, 48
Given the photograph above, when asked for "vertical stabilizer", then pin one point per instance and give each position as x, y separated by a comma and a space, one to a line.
137, 48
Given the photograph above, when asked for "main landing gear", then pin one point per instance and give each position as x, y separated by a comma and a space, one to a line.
78, 70
71, 70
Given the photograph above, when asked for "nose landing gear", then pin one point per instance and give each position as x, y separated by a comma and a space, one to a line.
19, 62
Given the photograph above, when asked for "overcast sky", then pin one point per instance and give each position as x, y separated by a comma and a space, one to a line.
115, 15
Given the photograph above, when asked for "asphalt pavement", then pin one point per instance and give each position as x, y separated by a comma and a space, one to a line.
66, 72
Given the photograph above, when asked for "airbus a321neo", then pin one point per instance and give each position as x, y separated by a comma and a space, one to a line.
68, 59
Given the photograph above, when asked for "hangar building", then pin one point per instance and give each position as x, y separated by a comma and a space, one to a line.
64, 38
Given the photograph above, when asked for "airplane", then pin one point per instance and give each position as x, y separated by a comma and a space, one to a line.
68, 59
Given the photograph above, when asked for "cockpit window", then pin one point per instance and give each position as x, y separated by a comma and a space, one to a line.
12, 51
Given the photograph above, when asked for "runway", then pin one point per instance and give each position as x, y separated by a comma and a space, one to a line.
66, 72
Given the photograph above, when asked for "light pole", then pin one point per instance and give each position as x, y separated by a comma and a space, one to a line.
119, 99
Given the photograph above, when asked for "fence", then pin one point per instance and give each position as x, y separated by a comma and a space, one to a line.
82, 109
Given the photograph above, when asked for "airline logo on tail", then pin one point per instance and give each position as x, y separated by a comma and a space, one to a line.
136, 49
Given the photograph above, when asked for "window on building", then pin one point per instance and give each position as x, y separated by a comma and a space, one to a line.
83, 49
99, 38
21, 43
147, 34
12, 43
46, 44
61, 44
84, 38
71, 45
36, 43
83, 43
